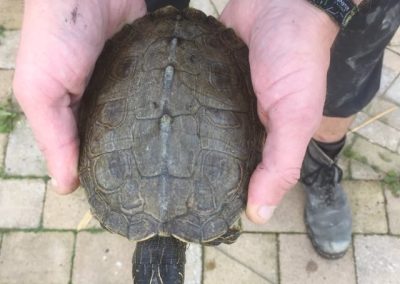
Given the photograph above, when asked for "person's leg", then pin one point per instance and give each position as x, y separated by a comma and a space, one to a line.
333, 129
353, 80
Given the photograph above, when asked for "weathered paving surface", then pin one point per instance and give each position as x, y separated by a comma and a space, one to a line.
39, 241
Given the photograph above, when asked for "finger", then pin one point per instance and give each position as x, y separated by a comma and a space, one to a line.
53, 124
289, 131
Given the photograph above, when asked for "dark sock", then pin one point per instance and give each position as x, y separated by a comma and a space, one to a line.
332, 149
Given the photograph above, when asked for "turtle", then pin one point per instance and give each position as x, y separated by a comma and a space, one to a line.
169, 137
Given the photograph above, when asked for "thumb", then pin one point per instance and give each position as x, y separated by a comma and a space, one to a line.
53, 123
289, 132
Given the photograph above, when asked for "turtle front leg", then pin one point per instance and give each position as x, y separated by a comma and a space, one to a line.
159, 260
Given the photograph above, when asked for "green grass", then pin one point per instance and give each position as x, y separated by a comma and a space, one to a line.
392, 180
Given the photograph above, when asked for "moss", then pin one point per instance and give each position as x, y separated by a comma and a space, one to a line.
350, 154
2, 30
7, 117
392, 180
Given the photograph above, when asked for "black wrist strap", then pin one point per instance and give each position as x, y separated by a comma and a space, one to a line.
340, 10
153, 5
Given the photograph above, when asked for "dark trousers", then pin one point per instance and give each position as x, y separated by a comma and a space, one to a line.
357, 55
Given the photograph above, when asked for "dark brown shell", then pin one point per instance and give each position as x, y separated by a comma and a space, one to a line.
169, 132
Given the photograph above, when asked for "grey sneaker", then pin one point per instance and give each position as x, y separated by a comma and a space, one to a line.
327, 214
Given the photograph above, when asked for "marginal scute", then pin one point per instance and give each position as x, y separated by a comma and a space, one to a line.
231, 40
141, 227
99, 208
168, 128
212, 229
116, 222
192, 228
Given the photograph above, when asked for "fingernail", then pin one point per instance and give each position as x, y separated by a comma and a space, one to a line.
266, 212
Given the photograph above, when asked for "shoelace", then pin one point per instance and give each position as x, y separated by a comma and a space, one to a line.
327, 176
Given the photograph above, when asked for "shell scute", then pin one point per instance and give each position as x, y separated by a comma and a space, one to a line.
169, 133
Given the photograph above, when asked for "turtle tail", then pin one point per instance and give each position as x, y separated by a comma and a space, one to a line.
159, 260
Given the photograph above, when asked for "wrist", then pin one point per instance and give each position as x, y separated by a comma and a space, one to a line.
248, 17
298, 19
340, 11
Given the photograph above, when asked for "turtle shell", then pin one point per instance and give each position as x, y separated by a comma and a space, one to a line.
169, 129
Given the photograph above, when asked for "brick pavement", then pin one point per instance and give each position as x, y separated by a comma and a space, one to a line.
40, 243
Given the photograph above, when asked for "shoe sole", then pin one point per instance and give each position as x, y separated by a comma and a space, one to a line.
326, 255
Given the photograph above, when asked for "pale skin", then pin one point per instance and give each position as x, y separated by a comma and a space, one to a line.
61, 40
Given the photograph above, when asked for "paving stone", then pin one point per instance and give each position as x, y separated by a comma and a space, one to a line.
66, 211
21, 201
3, 145
11, 13
288, 217
102, 258
205, 6
252, 259
344, 164
6, 77
193, 267
377, 259
393, 211
377, 132
395, 42
367, 205
8, 49
393, 93
299, 263
396, 39
391, 60
220, 5
36, 258
376, 156
363, 171
390, 70
107, 258
387, 78
23, 157
380, 105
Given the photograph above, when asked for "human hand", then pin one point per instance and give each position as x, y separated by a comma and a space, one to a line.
289, 51
60, 43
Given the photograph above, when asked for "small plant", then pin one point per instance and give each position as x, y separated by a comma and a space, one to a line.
392, 179
7, 118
